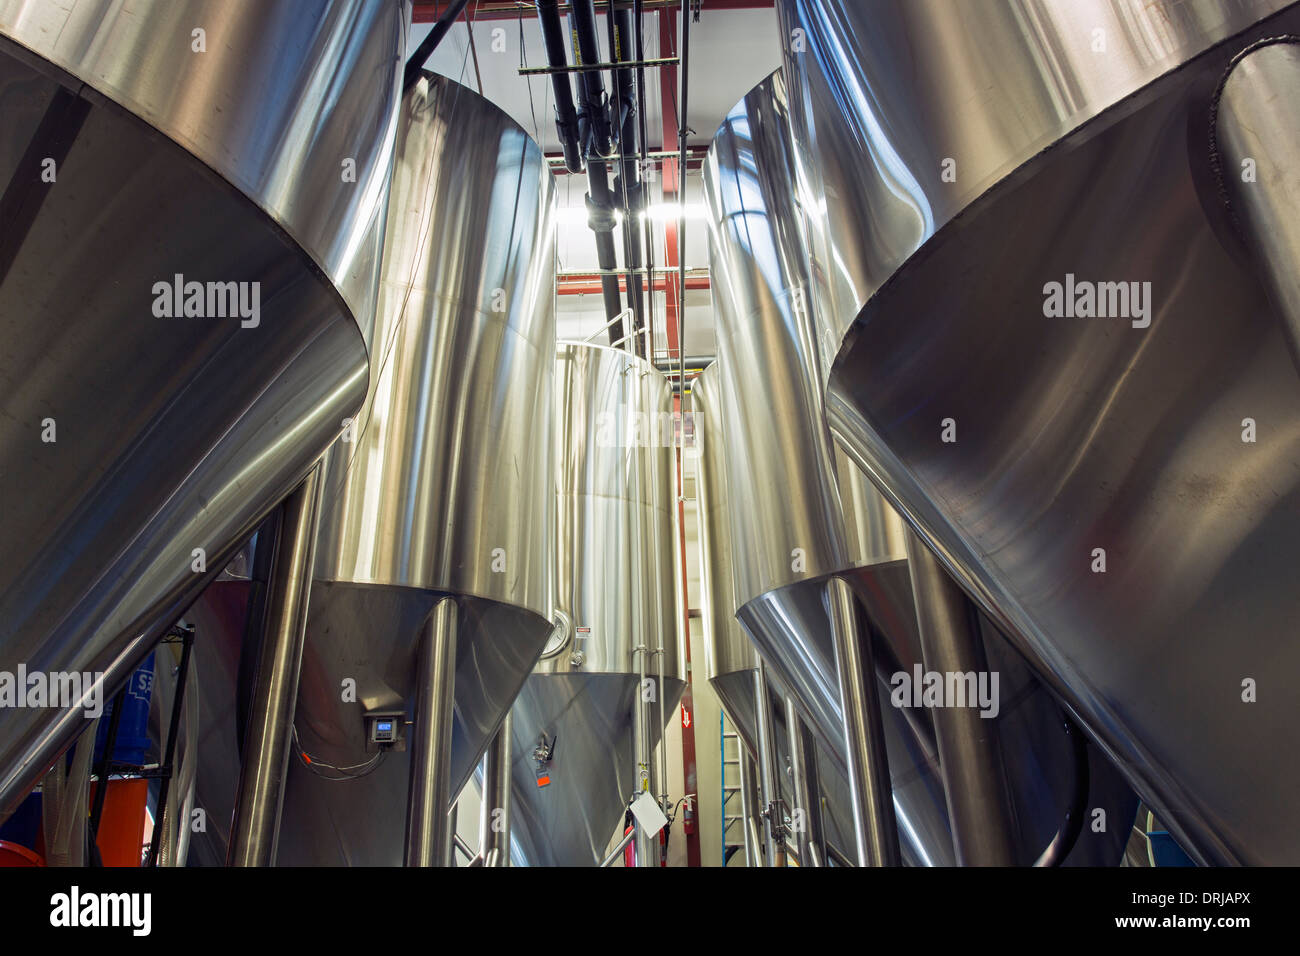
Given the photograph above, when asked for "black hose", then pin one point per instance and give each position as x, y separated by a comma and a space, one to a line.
600, 217
576, 131
566, 116
1068, 833
586, 51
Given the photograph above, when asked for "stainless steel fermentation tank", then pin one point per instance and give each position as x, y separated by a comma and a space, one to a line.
446, 489
970, 163
731, 663
186, 285
440, 488
616, 611
797, 517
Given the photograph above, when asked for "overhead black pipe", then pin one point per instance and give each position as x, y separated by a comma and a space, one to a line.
601, 220
586, 135
421, 55
594, 125
622, 104
586, 51
566, 116
627, 185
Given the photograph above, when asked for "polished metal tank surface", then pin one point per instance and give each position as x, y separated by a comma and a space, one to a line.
785, 524
906, 111
617, 587
727, 648
769, 444
293, 102
729, 656
790, 526
144, 421
1256, 142
1106, 498
442, 486
731, 659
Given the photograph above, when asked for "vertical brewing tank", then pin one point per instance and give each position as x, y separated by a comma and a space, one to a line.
442, 486
186, 285
617, 588
1024, 238
731, 662
801, 513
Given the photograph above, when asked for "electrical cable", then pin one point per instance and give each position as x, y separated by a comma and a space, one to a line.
367, 767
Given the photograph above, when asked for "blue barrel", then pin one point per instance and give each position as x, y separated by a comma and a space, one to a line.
133, 731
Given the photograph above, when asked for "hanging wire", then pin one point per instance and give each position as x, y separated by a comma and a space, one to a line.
354, 772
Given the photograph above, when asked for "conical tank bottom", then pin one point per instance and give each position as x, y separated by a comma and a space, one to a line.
496, 647
145, 430
790, 628
569, 821
1138, 542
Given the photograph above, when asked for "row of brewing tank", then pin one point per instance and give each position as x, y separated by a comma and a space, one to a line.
477, 522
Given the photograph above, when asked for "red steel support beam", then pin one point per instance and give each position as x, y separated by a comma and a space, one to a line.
590, 284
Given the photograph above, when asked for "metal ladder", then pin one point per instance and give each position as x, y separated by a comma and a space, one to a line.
733, 821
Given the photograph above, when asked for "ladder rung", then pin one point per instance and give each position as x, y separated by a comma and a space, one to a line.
729, 820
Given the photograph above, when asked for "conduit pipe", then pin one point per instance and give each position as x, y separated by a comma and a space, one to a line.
627, 185
586, 134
